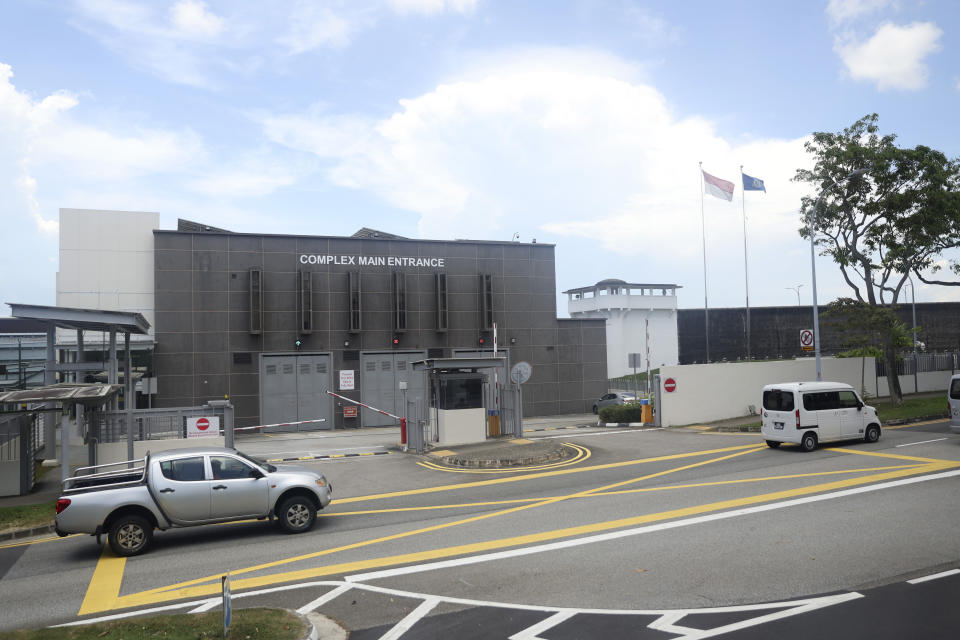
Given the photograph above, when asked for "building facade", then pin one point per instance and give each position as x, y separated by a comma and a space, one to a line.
273, 322
637, 317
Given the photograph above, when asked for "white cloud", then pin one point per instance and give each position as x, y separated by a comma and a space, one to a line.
40, 143
186, 42
192, 18
258, 174
574, 150
432, 6
845, 10
894, 56
313, 26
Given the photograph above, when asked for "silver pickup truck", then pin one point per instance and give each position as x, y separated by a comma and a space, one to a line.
185, 488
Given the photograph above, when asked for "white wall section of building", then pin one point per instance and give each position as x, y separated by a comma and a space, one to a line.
626, 308
107, 261
707, 392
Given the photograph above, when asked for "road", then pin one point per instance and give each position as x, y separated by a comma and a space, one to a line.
665, 533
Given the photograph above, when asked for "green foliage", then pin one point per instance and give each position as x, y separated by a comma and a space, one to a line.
862, 352
27, 516
881, 212
632, 412
866, 328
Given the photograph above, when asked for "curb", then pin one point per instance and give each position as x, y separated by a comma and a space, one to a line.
900, 421
501, 463
625, 424
16, 534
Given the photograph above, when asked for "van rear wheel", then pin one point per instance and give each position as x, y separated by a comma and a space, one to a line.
872, 434
773, 444
808, 442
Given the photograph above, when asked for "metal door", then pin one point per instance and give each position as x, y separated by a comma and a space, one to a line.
236, 489
381, 373
313, 380
294, 389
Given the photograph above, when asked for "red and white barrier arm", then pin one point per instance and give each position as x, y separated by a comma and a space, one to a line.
403, 421
279, 424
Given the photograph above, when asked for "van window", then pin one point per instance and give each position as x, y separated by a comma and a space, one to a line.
955, 389
778, 400
821, 401
848, 400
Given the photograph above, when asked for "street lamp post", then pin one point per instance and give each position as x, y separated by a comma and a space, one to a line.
796, 289
813, 269
913, 304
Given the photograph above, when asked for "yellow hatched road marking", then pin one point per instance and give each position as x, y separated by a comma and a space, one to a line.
103, 592
541, 474
521, 441
192, 586
443, 452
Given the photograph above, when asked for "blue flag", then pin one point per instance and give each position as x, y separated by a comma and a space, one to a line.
752, 184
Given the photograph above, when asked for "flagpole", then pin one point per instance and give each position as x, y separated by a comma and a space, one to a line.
706, 307
746, 277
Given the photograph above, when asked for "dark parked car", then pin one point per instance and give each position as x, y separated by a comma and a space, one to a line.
609, 399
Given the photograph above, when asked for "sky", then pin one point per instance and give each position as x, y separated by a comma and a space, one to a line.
581, 124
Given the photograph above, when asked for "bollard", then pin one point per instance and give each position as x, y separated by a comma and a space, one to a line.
403, 431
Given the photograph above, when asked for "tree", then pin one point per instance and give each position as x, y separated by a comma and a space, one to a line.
864, 327
897, 219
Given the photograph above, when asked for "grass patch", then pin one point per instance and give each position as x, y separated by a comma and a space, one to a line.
911, 408
26, 516
267, 624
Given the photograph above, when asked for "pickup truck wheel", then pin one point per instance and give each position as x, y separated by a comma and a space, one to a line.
297, 514
130, 535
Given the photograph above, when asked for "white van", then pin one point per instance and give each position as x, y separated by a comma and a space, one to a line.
808, 413
953, 402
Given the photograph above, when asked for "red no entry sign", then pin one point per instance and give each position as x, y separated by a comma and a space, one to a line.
203, 424
670, 385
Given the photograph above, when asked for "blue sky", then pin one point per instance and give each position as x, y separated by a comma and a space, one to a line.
575, 123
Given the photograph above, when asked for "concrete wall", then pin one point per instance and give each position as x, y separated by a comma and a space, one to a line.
926, 381
117, 451
626, 334
10, 477
106, 260
706, 392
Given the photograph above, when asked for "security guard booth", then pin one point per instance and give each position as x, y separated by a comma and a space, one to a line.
457, 412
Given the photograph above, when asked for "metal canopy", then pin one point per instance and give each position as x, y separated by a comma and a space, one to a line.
447, 364
93, 394
86, 319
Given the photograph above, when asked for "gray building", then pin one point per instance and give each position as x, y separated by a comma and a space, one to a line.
273, 321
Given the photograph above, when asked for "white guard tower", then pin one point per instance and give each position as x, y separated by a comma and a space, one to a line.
627, 307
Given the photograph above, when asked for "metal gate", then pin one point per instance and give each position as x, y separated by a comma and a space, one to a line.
292, 388
381, 373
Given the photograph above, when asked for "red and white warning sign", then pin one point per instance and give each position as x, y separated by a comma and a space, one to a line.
203, 427
350, 412
806, 339
669, 385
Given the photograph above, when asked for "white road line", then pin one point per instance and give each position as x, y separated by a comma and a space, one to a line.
533, 633
667, 616
324, 599
910, 444
662, 526
411, 619
207, 606
935, 576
